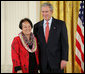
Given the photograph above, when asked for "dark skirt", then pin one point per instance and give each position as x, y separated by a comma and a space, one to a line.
32, 63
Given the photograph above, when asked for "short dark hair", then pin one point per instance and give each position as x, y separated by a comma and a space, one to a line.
23, 20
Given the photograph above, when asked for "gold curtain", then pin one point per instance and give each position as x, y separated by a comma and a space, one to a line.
68, 11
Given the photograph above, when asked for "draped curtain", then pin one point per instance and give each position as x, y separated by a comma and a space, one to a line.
68, 11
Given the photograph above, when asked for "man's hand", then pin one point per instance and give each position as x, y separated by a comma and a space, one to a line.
63, 64
20, 71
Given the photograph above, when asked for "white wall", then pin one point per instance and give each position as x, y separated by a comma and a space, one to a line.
34, 11
2, 34
11, 14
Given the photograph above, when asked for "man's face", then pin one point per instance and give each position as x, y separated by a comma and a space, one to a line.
46, 13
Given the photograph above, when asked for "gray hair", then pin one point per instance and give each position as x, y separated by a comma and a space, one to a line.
47, 4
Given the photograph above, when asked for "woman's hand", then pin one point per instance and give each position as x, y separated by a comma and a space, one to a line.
38, 71
20, 71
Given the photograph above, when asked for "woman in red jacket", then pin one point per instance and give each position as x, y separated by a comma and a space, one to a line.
24, 49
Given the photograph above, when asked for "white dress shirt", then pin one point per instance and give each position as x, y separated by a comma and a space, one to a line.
44, 24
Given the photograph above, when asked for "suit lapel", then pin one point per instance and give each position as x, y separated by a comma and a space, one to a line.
51, 29
42, 36
42, 32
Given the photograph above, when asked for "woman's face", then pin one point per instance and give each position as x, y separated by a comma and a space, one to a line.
26, 28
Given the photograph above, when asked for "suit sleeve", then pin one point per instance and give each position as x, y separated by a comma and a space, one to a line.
37, 56
15, 55
64, 42
35, 30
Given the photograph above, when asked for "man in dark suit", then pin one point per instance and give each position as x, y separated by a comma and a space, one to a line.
52, 42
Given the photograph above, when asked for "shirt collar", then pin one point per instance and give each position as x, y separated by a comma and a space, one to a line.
48, 21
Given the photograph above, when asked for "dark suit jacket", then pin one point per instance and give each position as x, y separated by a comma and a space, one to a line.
57, 47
